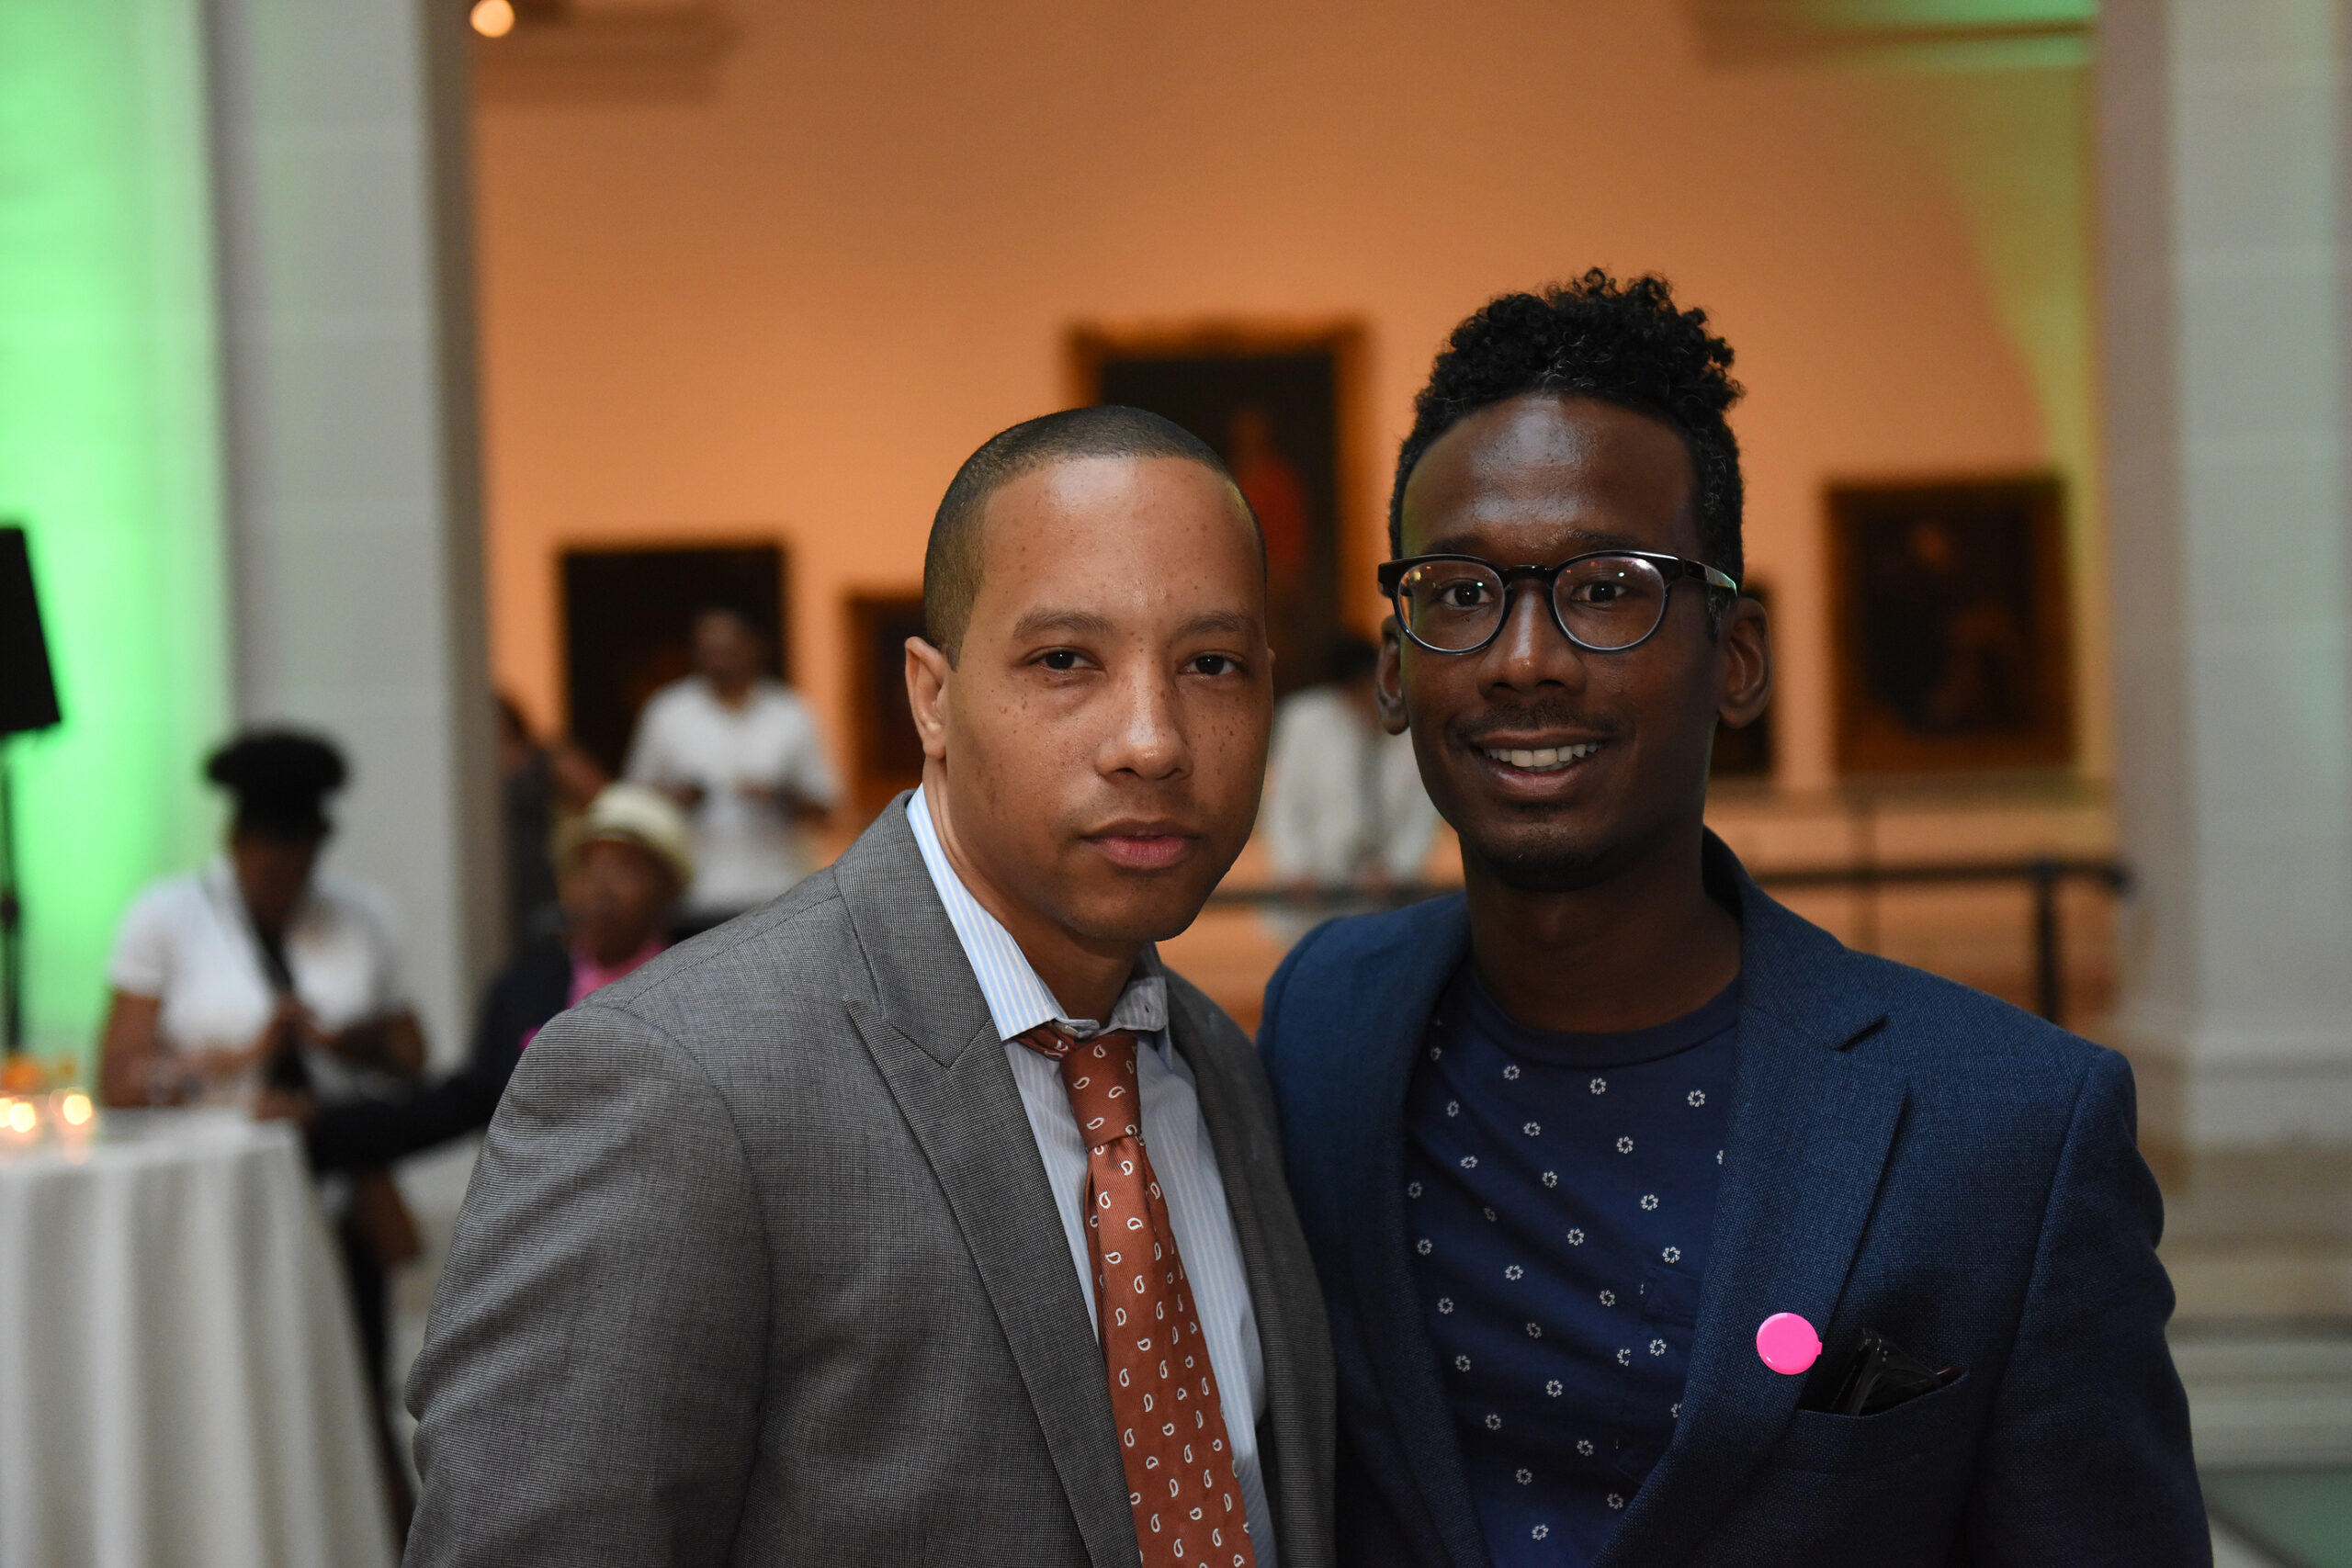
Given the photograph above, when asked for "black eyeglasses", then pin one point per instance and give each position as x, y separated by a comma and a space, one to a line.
1606, 601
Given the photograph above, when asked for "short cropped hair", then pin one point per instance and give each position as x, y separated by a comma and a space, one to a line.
951, 562
1622, 343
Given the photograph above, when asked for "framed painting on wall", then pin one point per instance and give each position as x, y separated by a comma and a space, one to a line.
885, 755
629, 616
1950, 617
1281, 405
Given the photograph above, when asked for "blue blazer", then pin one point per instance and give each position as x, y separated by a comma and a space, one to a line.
1906, 1155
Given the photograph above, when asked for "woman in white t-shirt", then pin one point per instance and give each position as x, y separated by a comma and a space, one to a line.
259, 966
260, 970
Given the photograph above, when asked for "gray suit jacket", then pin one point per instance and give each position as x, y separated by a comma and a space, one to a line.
760, 1265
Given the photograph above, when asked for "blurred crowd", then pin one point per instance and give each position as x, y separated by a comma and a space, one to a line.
263, 978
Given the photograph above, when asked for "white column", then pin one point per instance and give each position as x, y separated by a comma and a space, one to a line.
2221, 170
355, 549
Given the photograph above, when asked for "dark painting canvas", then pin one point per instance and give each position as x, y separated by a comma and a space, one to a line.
885, 751
1951, 627
628, 625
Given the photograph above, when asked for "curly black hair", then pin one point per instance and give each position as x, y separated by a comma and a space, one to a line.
280, 778
1623, 343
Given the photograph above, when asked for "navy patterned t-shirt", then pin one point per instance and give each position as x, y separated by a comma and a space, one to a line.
1559, 1192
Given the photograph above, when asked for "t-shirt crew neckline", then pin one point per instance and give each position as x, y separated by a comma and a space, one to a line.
1616, 1049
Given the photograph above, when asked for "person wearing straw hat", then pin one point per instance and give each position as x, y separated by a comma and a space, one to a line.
622, 864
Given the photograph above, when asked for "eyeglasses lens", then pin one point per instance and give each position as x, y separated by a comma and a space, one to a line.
1605, 602
1609, 601
1451, 605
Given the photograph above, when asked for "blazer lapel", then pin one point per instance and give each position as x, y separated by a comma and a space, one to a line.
1405, 989
1810, 1127
930, 1036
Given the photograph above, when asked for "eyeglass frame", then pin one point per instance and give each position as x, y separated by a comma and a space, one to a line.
1673, 569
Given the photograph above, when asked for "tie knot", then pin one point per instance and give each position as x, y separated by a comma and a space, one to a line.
1099, 1075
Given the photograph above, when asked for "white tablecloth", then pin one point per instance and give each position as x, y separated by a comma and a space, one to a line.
179, 1381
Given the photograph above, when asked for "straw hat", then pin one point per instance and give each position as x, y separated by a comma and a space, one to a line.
632, 813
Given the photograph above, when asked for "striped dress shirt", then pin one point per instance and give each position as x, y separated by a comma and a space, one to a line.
1173, 1134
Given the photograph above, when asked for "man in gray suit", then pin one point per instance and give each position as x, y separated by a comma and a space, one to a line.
791, 1246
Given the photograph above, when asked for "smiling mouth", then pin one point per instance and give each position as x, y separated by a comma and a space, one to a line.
1542, 759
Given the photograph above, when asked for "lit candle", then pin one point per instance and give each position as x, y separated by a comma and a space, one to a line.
73, 1113
20, 1121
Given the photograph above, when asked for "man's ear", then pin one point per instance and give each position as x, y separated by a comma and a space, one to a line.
1388, 679
928, 673
1744, 658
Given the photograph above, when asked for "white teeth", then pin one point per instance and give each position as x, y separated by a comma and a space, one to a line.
1544, 759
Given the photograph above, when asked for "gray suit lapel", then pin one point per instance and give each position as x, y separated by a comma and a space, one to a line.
1811, 1128
930, 1035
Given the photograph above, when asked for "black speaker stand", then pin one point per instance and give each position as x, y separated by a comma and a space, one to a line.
11, 919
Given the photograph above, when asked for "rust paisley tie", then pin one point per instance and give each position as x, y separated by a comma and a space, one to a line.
1181, 1480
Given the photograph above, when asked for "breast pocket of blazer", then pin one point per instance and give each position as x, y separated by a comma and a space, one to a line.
1817, 1440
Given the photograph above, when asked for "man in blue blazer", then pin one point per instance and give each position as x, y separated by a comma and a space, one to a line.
1565, 1145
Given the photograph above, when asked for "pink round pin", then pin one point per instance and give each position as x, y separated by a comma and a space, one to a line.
1787, 1342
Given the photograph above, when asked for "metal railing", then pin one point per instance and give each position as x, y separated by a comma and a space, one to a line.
2044, 875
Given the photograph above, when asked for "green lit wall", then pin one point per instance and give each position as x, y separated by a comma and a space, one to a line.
109, 456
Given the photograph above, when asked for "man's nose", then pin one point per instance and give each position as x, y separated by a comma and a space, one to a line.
1147, 736
1531, 650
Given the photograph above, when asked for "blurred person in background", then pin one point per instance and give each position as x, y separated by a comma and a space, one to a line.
541, 783
1345, 809
740, 751
260, 963
262, 969
623, 863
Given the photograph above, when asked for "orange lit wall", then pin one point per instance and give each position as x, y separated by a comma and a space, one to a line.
794, 305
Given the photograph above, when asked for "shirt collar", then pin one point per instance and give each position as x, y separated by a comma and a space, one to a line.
1019, 1000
